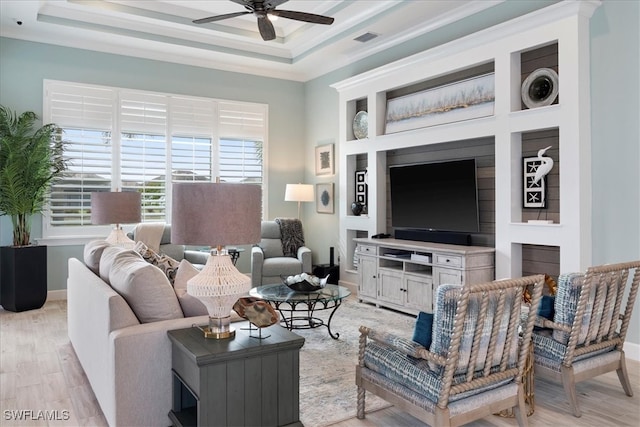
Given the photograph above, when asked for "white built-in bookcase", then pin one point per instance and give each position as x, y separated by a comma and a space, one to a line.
565, 24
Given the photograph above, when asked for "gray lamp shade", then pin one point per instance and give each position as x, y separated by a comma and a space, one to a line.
215, 214
115, 207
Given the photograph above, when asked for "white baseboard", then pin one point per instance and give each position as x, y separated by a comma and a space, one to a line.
57, 295
632, 351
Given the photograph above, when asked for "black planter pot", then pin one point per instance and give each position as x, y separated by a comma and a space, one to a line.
23, 277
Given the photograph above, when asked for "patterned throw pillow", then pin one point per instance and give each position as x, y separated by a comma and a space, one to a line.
168, 265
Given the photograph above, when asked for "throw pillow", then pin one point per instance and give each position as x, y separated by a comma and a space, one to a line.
546, 310
92, 254
191, 306
423, 329
166, 264
145, 288
546, 307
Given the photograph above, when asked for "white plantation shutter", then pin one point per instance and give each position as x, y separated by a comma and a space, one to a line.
86, 115
141, 141
242, 120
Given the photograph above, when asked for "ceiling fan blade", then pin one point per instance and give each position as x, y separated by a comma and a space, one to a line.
266, 27
303, 16
220, 17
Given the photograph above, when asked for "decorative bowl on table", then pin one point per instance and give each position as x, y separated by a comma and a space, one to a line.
304, 282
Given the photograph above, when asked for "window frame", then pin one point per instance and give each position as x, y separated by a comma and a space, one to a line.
217, 131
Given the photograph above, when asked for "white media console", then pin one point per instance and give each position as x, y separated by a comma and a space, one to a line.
403, 274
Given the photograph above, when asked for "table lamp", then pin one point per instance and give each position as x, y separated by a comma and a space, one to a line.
298, 193
116, 207
215, 215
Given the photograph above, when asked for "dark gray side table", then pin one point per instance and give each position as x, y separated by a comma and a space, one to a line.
242, 381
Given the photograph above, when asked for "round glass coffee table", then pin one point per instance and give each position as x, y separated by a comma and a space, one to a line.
298, 309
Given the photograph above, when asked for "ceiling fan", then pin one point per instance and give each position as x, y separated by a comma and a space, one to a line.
261, 9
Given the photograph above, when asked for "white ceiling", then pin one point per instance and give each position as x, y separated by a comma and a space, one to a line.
163, 30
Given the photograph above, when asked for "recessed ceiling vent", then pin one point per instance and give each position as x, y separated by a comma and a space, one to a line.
366, 37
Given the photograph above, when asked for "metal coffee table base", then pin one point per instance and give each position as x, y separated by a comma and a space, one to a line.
292, 319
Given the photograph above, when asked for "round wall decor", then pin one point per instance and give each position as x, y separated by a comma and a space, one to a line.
361, 125
540, 88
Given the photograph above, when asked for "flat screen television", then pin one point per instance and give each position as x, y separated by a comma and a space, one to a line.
435, 196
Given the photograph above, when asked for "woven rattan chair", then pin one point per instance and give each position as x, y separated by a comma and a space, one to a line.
589, 326
474, 365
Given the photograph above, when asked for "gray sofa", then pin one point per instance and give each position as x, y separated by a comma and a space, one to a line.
118, 322
268, 262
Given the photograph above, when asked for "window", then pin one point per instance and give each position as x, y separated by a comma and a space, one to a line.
120, 139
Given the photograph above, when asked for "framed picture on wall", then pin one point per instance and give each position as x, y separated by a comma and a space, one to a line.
324, 160
324, 198
534, 188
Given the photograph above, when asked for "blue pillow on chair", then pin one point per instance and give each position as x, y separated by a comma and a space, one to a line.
423, 329
546, 309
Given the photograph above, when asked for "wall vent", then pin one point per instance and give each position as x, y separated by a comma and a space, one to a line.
366, 37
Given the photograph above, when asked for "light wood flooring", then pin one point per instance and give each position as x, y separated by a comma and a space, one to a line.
40, 372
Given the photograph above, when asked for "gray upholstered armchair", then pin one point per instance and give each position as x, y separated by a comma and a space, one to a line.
587, 334
268, 261
473, 366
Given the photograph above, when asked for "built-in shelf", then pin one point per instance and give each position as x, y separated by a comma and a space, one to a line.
555, 37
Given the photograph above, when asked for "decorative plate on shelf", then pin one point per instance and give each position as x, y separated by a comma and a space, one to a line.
361, 125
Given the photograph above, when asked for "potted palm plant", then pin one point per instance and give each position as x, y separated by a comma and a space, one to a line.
31, 159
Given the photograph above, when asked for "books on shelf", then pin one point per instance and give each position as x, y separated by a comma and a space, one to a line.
421, 258
398, 254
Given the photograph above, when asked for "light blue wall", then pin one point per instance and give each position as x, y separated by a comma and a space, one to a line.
24, 66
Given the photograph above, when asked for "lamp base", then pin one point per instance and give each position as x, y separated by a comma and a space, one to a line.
218, 335
219, 328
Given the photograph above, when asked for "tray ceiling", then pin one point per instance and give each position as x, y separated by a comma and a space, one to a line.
163, 30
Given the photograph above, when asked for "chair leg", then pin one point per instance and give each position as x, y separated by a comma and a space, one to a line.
569, 384
623, 376
521, 409
361, 397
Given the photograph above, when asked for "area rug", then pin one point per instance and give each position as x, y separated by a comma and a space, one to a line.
327, 366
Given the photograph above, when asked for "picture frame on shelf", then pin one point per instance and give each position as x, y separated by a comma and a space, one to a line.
361, 187
534, 194
324, 198
325, 163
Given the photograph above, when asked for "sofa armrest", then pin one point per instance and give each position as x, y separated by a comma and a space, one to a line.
257, 258
304, 255
142, 381
196, 257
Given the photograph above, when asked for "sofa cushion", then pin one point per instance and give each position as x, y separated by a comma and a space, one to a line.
166, 264
145, 288
191, 306
106, 260
92, 254
284, 266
